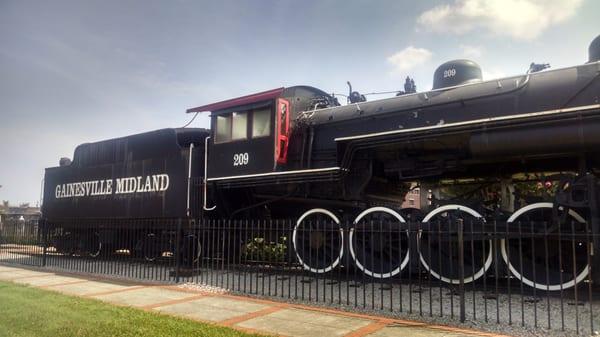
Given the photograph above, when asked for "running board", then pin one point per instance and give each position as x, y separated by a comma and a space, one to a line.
277, 178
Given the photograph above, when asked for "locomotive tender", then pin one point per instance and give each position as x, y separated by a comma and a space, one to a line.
295, 152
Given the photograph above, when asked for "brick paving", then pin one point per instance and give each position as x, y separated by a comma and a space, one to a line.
242, 313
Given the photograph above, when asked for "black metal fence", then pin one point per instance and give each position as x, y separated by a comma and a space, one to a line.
533, 273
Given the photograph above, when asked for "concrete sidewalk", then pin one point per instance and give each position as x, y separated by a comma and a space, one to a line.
241, 313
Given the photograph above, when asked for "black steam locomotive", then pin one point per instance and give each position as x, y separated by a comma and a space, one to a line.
296, 152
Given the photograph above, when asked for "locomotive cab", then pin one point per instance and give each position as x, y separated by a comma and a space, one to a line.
249, 135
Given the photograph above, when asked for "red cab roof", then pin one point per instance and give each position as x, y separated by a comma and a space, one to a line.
248, 99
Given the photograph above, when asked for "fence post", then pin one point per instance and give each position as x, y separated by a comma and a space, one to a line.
178, 251
461, 270
1, 235
44, 226
595, 224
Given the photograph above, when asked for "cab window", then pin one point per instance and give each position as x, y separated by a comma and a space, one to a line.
261, 123
223, 129
233, 126
239, 128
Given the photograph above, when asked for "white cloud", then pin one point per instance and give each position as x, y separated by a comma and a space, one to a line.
520, 19
490, 74
471, 51
408, 58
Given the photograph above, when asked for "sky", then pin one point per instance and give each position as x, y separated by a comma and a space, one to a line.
81, 71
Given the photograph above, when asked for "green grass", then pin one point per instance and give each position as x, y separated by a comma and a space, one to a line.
26, 311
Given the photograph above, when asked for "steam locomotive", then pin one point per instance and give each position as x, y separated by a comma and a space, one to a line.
296, 152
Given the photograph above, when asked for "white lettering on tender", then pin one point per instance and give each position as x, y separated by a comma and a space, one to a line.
127, 185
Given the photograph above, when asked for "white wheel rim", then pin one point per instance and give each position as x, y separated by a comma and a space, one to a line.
488, 261
352, 252
196, 257
99, 247
341, 252
199, 254
553, 287
150, 259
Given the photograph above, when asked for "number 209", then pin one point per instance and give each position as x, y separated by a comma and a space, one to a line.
240, 159
449, 72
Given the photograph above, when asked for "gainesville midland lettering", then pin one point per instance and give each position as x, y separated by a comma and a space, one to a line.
155, 183
84, 188
128, 185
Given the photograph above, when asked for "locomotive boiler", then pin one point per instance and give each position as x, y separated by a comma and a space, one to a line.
297, 153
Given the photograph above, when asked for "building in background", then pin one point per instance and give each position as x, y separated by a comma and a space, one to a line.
23, 212
412, 198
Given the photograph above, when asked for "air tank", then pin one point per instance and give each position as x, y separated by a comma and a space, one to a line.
563, 137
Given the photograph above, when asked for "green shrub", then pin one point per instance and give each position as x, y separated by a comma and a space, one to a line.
259, 249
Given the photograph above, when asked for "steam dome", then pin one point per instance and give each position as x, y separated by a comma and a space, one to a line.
456, 72
594, 50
